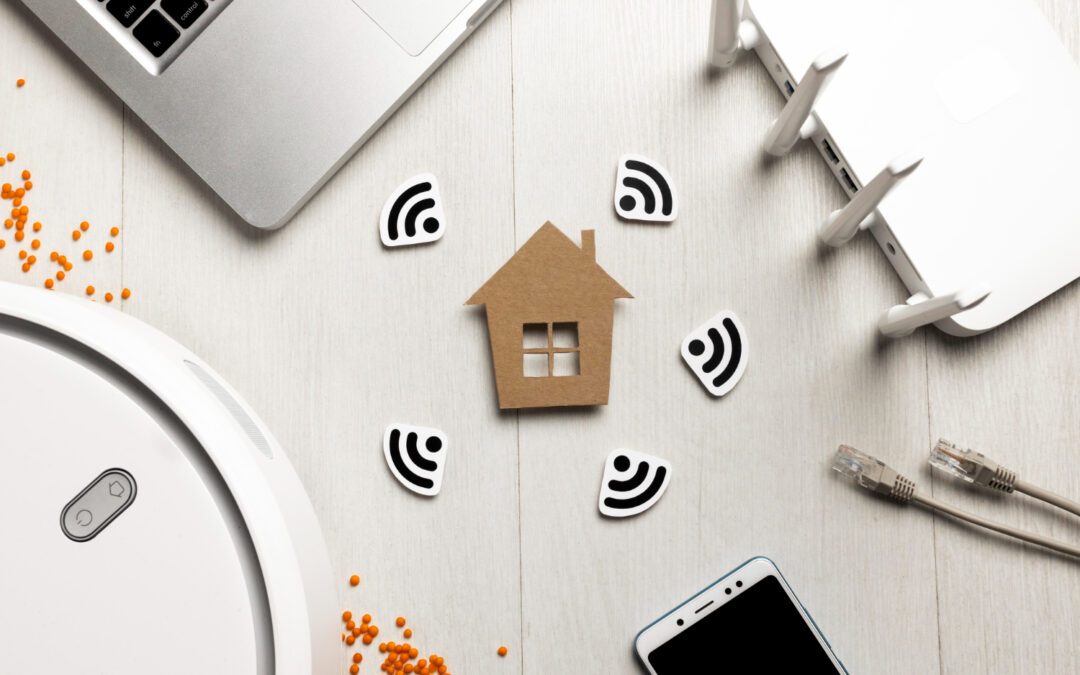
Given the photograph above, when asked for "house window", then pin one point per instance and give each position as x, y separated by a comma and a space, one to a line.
550, 349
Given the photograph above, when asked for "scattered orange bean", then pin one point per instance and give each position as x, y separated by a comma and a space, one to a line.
89, 290
26, 267
20, 82
76, 235
354, 580
60, 275
36, 244
357, 657
109, 246
366, 639
22, 255
503, 651
25, 175
37, 227
19, 235
108, 297
114, 231
84, 226
400, 621
407, 633
67, 266
125, 294
350, 625
49, 284
366, 618
11, 157
29, 185
32, 260
2, 243
350, 640
354, 669
346, 615
87, 255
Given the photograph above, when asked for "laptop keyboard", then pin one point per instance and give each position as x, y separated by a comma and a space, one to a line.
155, 31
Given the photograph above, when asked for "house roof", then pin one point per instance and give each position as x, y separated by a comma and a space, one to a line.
549, 263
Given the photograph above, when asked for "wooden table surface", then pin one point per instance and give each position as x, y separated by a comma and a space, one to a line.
332, 337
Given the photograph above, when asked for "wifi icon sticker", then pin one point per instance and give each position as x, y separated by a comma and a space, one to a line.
644, 192
413, 214
716, 352
633, 482
416, 456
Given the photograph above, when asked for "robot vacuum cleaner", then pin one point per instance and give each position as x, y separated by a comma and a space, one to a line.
151, 524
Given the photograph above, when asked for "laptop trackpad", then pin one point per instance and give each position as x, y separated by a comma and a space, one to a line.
413, 24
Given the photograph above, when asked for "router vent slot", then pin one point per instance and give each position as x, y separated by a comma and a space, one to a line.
235, 409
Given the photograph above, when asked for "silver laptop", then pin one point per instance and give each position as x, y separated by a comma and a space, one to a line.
264, 99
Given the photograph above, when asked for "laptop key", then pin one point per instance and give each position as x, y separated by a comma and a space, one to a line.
184, 12
156, 33
127, 11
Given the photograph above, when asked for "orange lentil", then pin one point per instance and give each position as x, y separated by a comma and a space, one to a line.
17, 201
36, 244
87, 255
37, 227
358, 631
382, 646
400, 621
53, 256
2, 243
350, 625
354, 669
25, 175
109, 246
20, 193
49, 284
84, 226
32, 260
20, 225
366, 639
19, 235
502, 651
22, 255
75, 235
23, 210
346, 615
11, 157
366, 618
373, 631
125, 294
114, 231
2, 161
67, 266
89, 290
357, 657
408, 633
20, 82
350, 640
60, 275
26, 267
354, 580
108, 297
29, 185
8, 223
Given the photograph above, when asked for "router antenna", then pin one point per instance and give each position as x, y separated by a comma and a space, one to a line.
728, 32
921, 310
842, 225
795, 119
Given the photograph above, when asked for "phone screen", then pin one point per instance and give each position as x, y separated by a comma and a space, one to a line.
761, 625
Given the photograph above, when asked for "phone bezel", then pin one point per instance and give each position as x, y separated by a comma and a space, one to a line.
712, 598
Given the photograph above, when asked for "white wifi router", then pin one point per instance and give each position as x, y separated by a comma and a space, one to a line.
633, 482
413, 214
716, 352
416, 456
644, 191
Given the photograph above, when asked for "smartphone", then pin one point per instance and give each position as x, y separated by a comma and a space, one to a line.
749, 615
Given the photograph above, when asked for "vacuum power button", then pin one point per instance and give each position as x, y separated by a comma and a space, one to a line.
97, 505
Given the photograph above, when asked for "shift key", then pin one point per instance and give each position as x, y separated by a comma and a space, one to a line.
127, 11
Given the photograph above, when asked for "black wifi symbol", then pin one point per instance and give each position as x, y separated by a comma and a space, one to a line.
697, 348
430, 224
622, 464
433, 444
628, 202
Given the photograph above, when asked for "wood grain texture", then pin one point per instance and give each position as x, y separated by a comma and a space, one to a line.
332, 337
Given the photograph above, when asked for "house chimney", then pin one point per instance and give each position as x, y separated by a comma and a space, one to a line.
588, 244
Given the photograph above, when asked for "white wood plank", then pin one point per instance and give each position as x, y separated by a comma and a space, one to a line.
332, 337
750, 471
66, 128
1011, 394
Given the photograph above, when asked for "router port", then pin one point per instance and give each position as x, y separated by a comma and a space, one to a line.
848, 180
826, 147
788, 87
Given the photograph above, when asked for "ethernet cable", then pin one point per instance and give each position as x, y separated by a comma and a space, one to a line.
870, 473
978, 469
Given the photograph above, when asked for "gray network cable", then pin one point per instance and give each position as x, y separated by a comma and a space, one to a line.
973, 467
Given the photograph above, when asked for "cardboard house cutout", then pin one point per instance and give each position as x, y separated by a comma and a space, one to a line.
550, 313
